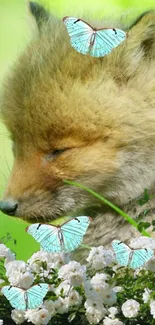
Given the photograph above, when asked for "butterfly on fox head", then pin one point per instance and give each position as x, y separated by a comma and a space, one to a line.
88, 40
127, 256
62, 238
21, 299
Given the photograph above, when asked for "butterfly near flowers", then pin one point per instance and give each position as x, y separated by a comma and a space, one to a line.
21, 299
64, 238
88, 40
133, 258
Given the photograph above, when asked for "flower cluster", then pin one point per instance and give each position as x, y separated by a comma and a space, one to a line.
100, 292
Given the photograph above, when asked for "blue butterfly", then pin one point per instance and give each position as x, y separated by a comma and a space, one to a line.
88, 40
64, 238
25, 299
133, 258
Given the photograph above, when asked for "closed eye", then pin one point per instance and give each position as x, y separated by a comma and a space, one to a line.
55, 153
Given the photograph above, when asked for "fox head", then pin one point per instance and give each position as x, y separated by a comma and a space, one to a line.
70, 116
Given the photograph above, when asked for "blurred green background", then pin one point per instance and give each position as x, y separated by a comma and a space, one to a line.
14, 34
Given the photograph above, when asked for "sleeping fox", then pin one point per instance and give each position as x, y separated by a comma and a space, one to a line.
91, 120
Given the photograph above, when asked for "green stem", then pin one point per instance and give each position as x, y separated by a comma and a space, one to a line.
114, 207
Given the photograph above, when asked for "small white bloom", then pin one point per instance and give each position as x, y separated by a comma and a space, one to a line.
112, 312
142, 242
109, 321
98, 283
74, 298
94, 311
130, 308
1, 322
1, 281
50, 306
19, 266
53, 261
19, 274
146, 295
73, 272
61, 305
6, 253
109, 297
18, 316
63, 287
38, 316
152, 308
118, 289
99, 257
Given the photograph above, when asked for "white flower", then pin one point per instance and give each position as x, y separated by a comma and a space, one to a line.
150, 265
73, 272
98, 283
109, 321
18, 266
38, 316
118, 289
18, 316
142, 242
52, 260
19, 274
63, 287
94, 312
50, 306
109, 297
1, 321
61, 305
99, 257
146, 295
74, 298
130, 308
112, 312
1, 281
152, 308
6, 253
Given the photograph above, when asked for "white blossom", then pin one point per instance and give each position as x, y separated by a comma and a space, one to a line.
38, 316
52, 260
146, 295
50, 306
6, 253
130, 308
1, 321
94, 311
62, 305
99, 257
74, 298
73, 272
18, 316
142, 242
109, 321
63, 287
113, 311
19, 274
152, 308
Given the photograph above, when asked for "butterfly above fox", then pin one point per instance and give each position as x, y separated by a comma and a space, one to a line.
88, 40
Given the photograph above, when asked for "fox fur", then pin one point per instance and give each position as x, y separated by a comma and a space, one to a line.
91, 120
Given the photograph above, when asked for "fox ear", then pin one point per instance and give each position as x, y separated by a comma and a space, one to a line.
139, 48
40, 14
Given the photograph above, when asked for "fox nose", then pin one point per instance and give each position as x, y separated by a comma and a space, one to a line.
9, 207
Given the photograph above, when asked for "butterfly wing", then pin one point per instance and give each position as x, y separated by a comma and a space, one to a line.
106, 40
73, 231
140, 257
36, 294
16, 297
80, 33
46, 235
122, 252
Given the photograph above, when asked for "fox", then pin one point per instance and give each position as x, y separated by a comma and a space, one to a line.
89, 120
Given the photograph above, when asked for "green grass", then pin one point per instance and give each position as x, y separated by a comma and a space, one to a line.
14, 34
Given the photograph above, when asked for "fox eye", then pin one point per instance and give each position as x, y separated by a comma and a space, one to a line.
55, 153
